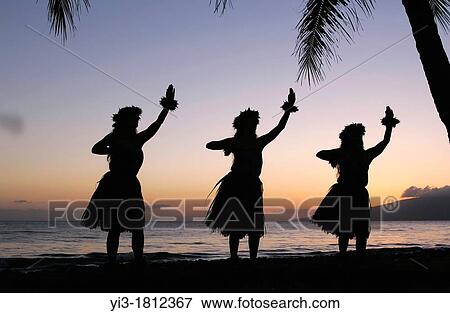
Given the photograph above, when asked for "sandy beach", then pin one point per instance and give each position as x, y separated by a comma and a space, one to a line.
382, 270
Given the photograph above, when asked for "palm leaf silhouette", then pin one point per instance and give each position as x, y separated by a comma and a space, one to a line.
221, 5
326, 22
62, 13
441, 11
323, 25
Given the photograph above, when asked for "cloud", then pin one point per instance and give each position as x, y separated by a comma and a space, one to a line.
21, 201
417, 192
12, 123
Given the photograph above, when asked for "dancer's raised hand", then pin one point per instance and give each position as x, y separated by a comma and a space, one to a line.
288, 105
168, 102
389, 120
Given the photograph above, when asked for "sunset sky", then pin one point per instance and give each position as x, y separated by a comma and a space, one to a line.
219, 65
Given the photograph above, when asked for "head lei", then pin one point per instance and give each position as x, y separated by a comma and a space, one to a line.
125, 114
351, 131
246, 117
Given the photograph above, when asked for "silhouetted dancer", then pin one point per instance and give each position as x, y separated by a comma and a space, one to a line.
117, 204
345, 210
237, 209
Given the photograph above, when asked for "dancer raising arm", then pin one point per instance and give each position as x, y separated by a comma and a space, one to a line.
117, 204
345, 210
237, 209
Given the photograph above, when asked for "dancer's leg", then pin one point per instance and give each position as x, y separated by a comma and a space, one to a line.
137, 243
253, 244
234, 245
361, 244
112, 245
343, 243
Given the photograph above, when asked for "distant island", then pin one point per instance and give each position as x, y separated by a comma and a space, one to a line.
420, 204
417, 204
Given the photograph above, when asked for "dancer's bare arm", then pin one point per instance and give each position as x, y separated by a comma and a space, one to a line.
102, 147
288, 108
151, 131
220, 144
390, 122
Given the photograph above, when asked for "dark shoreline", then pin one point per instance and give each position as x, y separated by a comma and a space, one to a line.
382, 270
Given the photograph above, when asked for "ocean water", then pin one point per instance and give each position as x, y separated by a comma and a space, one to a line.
193, 240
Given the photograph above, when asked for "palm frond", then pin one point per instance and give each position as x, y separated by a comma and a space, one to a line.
221, 5
441, 11
62, 13
323, 25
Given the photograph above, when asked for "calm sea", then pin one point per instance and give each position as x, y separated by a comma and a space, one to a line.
33, 239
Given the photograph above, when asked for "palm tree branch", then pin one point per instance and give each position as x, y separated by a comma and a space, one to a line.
323, 25
62, 13
441, 11
221, 5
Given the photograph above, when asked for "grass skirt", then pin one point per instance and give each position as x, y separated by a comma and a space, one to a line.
117, 204
238, 206
344, 211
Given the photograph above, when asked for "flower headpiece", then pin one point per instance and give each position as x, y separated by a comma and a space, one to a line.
246, 117
352, 131
125, 114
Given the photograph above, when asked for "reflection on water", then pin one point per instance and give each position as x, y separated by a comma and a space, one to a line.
30, 239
